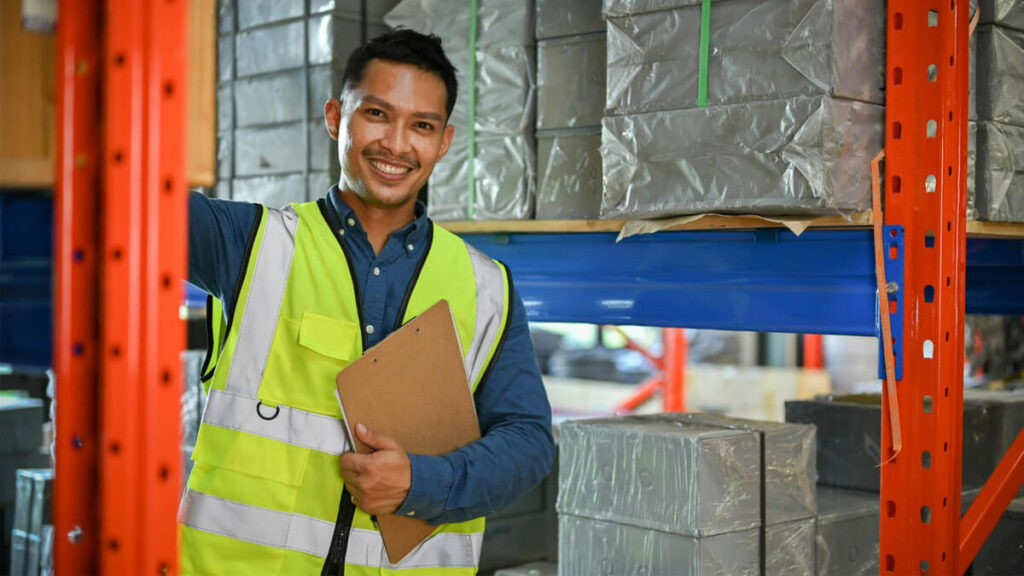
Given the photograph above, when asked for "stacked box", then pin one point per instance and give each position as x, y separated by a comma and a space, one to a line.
32, 512
278, 63
21, 441
793, 109
502, 182
46, 556
995, 186
847, 533
658, 497
849, 436
571, 70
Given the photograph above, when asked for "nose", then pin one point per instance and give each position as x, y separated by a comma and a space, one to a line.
395, 139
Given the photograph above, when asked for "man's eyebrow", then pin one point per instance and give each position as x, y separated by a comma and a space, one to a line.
381, 103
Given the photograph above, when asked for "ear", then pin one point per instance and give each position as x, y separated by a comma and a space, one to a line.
332, 117
446, 140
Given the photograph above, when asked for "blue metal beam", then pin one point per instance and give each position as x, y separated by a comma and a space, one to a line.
767, 280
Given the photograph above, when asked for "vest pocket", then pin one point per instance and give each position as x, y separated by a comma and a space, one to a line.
305, 358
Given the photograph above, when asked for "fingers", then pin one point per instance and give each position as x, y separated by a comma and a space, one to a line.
375, 441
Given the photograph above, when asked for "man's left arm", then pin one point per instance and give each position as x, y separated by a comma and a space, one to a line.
515, 452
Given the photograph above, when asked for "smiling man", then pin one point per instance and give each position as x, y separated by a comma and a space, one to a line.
308, 288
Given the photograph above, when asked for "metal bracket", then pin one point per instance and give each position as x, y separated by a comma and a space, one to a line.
895, 287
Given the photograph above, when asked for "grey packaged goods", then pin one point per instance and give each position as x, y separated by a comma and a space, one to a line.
557, 18
789, 548
498, 181
1000, 75
759, 50
21, 425
46, 555
999, 172
678, 478
571, 81
847, 533
32, 513
1009, 13
1002, 553
798, 156
789, 462
531, 569
849, 436
588, 546
569, 174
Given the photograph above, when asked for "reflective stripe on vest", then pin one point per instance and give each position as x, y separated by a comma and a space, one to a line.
234, 403
313, 536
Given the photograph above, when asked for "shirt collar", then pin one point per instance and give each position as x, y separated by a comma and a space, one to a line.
413, 234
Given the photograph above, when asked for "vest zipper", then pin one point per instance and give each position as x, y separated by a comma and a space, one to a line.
334, 564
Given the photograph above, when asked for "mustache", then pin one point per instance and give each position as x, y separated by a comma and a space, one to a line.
378, 154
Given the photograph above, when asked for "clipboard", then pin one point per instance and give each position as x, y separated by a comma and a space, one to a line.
411, 387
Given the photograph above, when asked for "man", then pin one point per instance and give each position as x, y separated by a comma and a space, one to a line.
306, 290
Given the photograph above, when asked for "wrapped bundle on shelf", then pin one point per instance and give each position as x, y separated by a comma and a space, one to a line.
21, 441
278, 63
32, 512
758, 50
999, 75
679, 478
490, 169
807, 155
1008, 13
558, 18
570, 103
999, 172
847, 533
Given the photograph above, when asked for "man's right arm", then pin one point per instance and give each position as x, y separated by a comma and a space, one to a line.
219, 232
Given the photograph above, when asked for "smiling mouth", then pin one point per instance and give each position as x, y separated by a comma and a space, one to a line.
389, 169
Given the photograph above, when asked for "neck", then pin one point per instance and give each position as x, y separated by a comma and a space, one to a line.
379, 221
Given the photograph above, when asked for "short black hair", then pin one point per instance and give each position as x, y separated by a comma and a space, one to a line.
407, 47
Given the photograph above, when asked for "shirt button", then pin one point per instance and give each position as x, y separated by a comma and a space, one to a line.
351, 222
410, 247
411, 513
341, 232
376, 271
369, 329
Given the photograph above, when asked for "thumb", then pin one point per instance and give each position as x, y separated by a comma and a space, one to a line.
373, 440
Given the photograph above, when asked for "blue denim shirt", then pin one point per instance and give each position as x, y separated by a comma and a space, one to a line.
516, 450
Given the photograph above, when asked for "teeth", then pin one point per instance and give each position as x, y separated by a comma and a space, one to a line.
388, 168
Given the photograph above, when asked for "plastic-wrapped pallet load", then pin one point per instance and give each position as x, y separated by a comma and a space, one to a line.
277, 65
489, 171
781, 117
32, 512
758, 50
804, 155
570, 102
683, 479
847, 533
531, 569
789, 462
21, 441
1000, 75
1009, 13
558, 18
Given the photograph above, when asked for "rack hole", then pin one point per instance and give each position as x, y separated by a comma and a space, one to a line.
949, 225
944, 501
933, 72
893, 232
168, 185
929, 239
890, 509
897, 21
115, 448
890, 563
897, 76
116, 254
896, 184
945, 446
113, 545
943, 556
924, 566
168, 89
115, 351
166, 377
950, 115
951, 60
947, 280
947, 336
165, 472
926, 459
897, 130
926, 404
78, 255
946, 393
930, 184
119, 59
926, 515
933, 18
894, 251
118, 157
929, 293
928, 349
78, 349
931, 128
166, 281
949, 170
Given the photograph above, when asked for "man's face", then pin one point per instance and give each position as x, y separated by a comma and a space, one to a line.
391, 130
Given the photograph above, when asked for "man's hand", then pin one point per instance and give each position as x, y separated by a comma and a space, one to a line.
378, 481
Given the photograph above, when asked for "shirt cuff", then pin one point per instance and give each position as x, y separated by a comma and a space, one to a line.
431, 480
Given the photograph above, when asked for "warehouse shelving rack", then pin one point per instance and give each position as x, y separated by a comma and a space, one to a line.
121, 229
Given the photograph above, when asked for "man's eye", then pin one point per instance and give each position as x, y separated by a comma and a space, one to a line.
424, 126
375, 112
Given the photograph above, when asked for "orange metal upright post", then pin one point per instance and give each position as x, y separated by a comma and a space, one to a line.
76, 328
925, 184
119, 338
674, 378
814, 356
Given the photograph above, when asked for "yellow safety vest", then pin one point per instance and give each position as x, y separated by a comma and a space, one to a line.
266, 494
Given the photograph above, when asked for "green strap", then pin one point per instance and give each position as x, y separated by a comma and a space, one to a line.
705, 44
471, 206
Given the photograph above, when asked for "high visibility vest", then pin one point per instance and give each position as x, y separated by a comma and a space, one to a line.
266, 495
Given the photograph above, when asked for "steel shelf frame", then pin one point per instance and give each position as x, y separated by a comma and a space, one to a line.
121, 205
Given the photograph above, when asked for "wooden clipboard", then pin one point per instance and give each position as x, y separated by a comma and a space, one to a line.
411, 387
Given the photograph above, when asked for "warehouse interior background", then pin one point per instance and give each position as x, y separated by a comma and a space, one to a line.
683, 193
